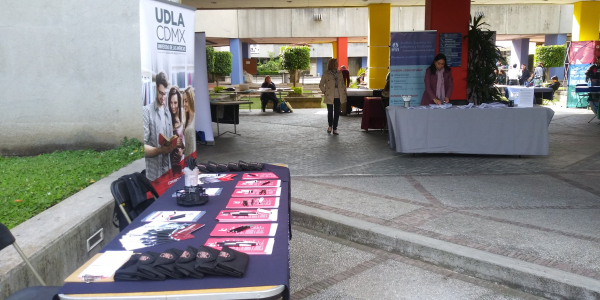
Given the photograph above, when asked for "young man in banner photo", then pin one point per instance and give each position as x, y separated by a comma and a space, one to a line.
157, 120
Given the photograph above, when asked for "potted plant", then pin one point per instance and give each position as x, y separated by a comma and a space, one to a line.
483, 55
294, 59
222, 66
218, 89
552, 56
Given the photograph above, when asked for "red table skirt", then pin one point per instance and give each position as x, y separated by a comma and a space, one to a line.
373, 115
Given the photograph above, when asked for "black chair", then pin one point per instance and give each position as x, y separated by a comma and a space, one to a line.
126, 208
31, 293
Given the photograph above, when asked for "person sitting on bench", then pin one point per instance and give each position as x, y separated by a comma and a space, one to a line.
266, 97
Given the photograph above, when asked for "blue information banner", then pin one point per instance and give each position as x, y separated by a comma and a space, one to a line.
451, 46
410, 55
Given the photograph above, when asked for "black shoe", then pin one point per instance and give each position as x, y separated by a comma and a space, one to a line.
263, 109
335, 132
328, 130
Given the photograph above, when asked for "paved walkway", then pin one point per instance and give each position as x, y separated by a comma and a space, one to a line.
544, 211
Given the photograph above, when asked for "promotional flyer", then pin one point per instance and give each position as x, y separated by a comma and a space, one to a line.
167, 56
410, 54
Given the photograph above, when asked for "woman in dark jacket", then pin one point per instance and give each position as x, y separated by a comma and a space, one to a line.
265, 97
438, 82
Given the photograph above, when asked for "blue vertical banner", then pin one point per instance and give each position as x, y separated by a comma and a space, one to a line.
410, 55
451, 46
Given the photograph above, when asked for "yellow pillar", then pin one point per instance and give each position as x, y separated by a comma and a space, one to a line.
586, 21
334, 46
379, 44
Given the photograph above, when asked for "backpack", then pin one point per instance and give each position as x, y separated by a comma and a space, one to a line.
135, 197
285, 107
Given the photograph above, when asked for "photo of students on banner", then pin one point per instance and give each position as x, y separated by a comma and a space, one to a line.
167, 53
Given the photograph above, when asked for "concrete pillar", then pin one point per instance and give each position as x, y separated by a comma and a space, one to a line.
342, 51
245, 50
586, 21
319, 66
556, 39
334, 48
451, 17
519, 52
379, 44
237, 71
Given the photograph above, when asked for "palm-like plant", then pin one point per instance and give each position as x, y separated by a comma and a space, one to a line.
483, 55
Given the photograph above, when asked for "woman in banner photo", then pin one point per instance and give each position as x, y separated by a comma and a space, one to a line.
189, 127
438, 82
175, 107
333, 87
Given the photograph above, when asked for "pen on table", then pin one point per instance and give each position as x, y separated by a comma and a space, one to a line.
241, 228
241, 243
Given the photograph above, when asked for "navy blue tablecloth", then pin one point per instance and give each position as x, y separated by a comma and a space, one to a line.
263, 270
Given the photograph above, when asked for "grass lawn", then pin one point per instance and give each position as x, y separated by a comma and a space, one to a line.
30, 185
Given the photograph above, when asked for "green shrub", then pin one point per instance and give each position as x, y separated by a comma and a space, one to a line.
297, 90
223, 64
272, 66
551, 56
218, 88
268, 73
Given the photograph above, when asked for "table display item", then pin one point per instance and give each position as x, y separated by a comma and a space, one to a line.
226, 229
165, 263
258, 215
105, 266
231, 262
192, 196
262, 202
248, 245
259, 175
203, 168
128, 271
174, 216
234, 167
146, 269
257, 192
156, 233
258, 183
206, 260
186, 263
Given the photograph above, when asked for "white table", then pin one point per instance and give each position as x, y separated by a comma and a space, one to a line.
497, 131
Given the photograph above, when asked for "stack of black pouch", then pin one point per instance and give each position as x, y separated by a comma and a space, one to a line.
145, 267
186, 264
206, 260
213, 167
128, 271
165, 263
231, 262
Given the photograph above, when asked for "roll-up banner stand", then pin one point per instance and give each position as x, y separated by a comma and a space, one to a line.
410, 55
167, 58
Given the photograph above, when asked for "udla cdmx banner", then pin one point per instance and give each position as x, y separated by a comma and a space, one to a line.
167, 56
410, 54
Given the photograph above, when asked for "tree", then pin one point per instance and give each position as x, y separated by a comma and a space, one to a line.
551, 56
210, 59
295, 58
483, 55
222, 65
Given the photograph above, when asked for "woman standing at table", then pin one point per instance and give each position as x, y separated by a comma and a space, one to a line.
438, 82
189, 127
333, 87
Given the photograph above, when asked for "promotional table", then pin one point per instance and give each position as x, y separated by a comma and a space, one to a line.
234, 111
503, 131
266, 276
356, 98
373, 114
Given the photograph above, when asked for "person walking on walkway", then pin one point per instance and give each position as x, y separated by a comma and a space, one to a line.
333, 87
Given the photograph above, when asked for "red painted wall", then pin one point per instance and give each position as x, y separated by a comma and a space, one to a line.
451, 17
342, 51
